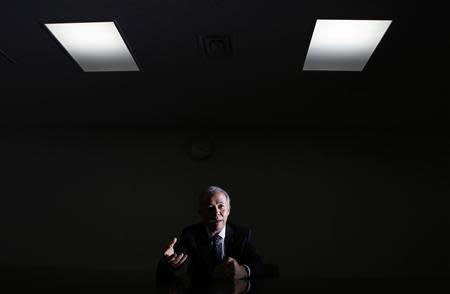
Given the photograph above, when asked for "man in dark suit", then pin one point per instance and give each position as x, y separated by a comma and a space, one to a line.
212, 248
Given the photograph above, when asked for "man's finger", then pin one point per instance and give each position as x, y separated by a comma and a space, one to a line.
221, 267
225, 263
172, 258
179, 257
169, 257
179, 263
172, 243
169, 248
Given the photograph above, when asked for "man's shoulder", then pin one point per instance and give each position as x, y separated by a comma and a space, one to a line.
238, 229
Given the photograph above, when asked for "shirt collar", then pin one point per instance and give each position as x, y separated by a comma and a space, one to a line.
221, 233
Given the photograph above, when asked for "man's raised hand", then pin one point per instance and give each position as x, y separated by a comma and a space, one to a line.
174, 260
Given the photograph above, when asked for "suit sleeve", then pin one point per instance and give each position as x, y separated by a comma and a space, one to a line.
250, 256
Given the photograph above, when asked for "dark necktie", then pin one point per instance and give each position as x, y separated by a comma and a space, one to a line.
216, 249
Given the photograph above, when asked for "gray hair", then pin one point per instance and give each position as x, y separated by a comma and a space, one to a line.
210, 191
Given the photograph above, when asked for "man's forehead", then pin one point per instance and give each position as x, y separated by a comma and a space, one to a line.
218, 197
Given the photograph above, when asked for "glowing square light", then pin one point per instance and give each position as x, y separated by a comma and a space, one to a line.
344, 45
95, 46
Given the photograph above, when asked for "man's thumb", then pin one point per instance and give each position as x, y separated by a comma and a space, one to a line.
172, 243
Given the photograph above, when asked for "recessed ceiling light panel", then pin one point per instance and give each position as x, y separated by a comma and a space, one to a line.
344, 45
95, 46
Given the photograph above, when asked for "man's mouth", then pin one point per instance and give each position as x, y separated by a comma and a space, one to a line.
215, 221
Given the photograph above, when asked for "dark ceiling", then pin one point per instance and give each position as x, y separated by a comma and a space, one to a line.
261, 85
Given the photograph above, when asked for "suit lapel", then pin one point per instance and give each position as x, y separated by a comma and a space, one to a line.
229, 241
203, 244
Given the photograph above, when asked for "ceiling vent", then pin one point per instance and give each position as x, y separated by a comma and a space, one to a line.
216, 45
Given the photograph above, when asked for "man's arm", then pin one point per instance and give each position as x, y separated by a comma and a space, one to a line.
250, 257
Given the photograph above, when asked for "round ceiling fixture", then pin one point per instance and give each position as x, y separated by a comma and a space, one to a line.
200, 147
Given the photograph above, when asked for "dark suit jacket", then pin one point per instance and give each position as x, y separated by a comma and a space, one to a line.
195, 242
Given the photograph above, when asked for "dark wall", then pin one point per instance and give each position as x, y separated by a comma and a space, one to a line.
318, 201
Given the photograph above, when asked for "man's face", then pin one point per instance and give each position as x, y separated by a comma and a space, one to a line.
214, 211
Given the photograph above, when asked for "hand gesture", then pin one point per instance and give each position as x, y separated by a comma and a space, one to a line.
174, 260
241, 286
230, 269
